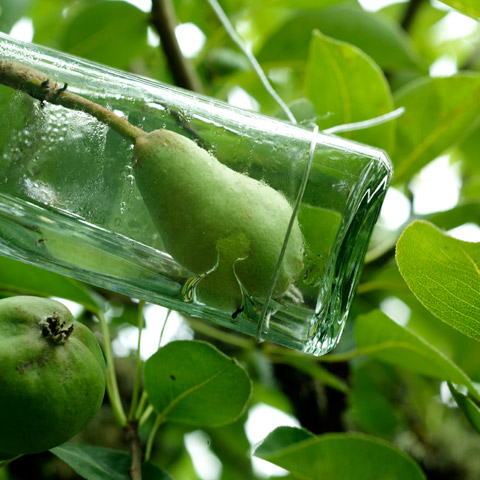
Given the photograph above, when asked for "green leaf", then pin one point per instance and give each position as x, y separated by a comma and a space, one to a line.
304, 4
222, 61
109, 32
466, 212
420, 32
459, 348
280, 438
192, 382
468, 407
387, 278
96, 463
467, 7
48, 20
372, 401
315, 370
470, 148
439, 113
11, 12
444, 274
303, 110
230, 444
332, 456
319, 227
379, 336
26, 279
381, 39
346, 86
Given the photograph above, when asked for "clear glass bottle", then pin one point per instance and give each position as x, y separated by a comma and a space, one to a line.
70, 202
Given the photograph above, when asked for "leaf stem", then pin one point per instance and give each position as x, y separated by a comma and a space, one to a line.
148, 411
169, 311
158, 421
40, 86
141, 405
223, 336
112, 386
138, 371
4, 463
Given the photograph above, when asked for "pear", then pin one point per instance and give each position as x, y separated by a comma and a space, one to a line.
223, 226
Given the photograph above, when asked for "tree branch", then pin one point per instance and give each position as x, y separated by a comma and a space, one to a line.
164, 21
43, 88
133, 442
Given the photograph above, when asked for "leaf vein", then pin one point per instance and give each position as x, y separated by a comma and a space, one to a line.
436, 133
168, 408
449, 293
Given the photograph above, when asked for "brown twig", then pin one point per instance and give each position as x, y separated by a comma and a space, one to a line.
40, 86
164, 20
133, 442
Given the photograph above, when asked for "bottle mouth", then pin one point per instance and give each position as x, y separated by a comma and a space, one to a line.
348, 253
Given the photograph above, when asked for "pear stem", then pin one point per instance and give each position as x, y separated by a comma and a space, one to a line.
40, 86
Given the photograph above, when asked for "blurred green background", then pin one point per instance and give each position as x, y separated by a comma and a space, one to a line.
419, 54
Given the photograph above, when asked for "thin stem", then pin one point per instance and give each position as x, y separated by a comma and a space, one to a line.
138, 371
164, 20
142, 414
40, 86
221, 335
227, 25
133, 442
148, 451
112, 386
148, 411
369, 350
169, 311
270, 349
4, 463
141, 405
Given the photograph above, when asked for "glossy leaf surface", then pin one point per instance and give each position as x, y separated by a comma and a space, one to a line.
444, 274
346, 86
192, 382
352, 456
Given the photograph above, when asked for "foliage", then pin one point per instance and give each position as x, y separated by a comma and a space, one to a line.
97, 463
399, 397
336, 456
443, 273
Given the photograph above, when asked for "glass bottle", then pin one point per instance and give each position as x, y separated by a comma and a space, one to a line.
71, 201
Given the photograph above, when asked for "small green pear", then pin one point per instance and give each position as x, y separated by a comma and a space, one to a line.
220, 224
